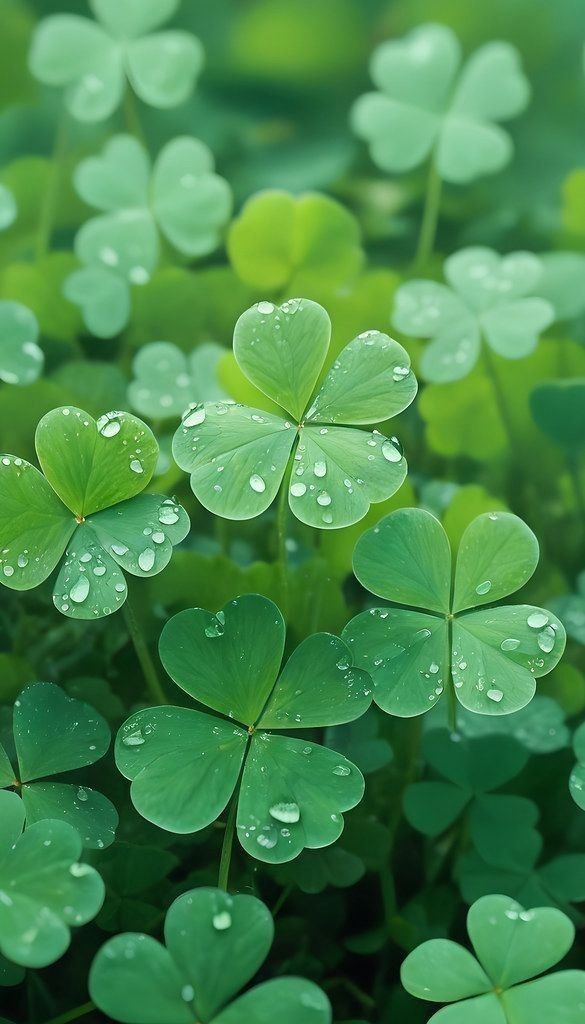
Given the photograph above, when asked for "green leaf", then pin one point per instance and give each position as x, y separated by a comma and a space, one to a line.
21, 359
39, 287
562, 274
90, 584
103, 297
558, 408
134, 979
49, 891
502, 830
290, 999
443, 971
117, 178
92, 465
124, 243
281, 349
190, 202
166, 381
406, 558
512, 330
484, 279
370, 381
140, 533
34, 525
497, 554
183, 765
133, 17
426, 309
236, 456
199, 649
163, 68
477, 765
8, 208
291, 796
90, 813
432, 807
7, 773
559, 994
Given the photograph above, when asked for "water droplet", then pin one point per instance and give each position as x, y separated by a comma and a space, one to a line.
194, 417
81, 794
133, 739
257, 483
146, 559
119, 549
546, 640
8, 570
188, 993
222, 921
390, 452
268, 838
495, 695
265, 308
286, 811
22, 561
510, 644
79, 590
536, 620
434, 668
320, 469
110, 428
136, 466
99, 570
168, 515
341, 769
324, 499
484, 588
298, 489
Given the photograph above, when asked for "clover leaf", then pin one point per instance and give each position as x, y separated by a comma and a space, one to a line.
214, 944
428, 106
500, 826
8, 208
571, 610
539, 727
238, 457
54, 733
21, 359
185, 765
577, 778
166, 381
487, 299
180, 196
87, 505
558, 409
487, 657
512, 945
44, 890
92, 61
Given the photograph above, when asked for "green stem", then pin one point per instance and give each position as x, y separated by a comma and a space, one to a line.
47, 211
143, 654
281, 900
131, 116
227, 845
428, 227
501, 403
281, 523
79, 1011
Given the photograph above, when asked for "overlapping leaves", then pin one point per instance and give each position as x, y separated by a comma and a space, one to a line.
487, 657
88, 506
185, 764
166, 381
238, 457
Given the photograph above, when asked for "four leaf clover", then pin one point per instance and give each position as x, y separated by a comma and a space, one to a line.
492, 655
92, 61
185, 764
214, 944
488, 299
54, 733
180, 196
512, 945
21, 358
88, 505
166, 381
428, 106
238, 457
44, 890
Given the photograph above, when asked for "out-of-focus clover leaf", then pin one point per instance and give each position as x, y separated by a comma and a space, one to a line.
577, 778
445, 407
556, 883
166, 381
21, 358
428, 106
558, 408
466, 504
570, 609
214, 944
87, 504
314, 870
281, 241
133, 876
563, 283
238, 457
292, 791
512, 945
92, 386
488, 658
44, 890
361, 742
54, 733
501, 826
539, 727
487, 299
573, 209
180, 196
8, 208
39, 286
10, 974
91, 60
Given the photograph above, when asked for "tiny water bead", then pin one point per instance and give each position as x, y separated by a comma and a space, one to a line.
188, 993
342, 769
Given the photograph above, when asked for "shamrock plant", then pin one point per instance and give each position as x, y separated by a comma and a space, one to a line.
54, 733
185, 765
87, 504
21, 358
239, 457
577, 778
44, 890
179, 197
214, 944
166, 381
488, 299
428, 106
92, 60
500, 825
487, 657
512, 946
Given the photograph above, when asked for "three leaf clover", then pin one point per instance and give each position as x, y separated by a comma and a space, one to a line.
54, 733
487, 299
512, 945
185, 765
238, 457
180, 196
44, 890
88, 505
92, 61
21, 358
214, 944
500, 825
492, 655
166, 381
427, 105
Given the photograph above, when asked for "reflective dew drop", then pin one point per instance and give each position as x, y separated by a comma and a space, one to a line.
82, 794
495, 695
536, 620
286, 811
483, 588
188, 993
133, 739
390, 452
195, 417
168, 515
79, 590
222, 921
297, 490
546, 639
341, 769
146, 559
136, 466
324, 499
510, 644
267, 839
111, 428
320, 469
257, 483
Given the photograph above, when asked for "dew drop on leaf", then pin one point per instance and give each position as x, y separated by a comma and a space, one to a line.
286, 811
483, 588
222, 921
257, 483
536, 620
79, 590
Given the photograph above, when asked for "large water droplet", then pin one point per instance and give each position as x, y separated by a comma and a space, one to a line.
194, 417
324, 498
267, 838
286, 811
511, 644
257, 483
222, 920
79, 590
536, 620
546, 640
320, 468
484, 588
146, 559
168, 514
390, 452
495, 695
298, 489
136, 466
111, 428
133, 739
341, 769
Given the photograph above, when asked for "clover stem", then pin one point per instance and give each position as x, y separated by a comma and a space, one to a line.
430, 218
133, 124
281, 521
143, 654
501, 404
78, 1011
226, 847
47, 211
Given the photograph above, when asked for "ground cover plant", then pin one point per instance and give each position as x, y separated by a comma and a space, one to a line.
292, 512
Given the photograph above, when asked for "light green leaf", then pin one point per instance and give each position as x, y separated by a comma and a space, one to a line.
117, 178
8, 208
134, 979
557, 997
163, 68
190, 202
166, 381
469, 148
140, 533
443, 971
90, 813
289, 999
513, 329
103, 297
125, 242
21, 359
497, 554
485, 279
133, 17
492, 86
90, 584
7, 773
